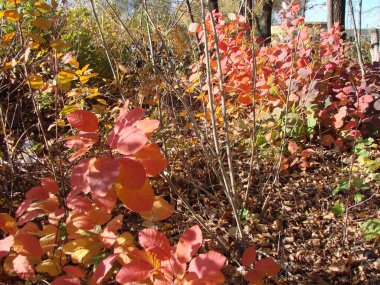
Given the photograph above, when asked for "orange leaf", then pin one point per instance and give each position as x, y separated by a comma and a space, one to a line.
135, 271
161, 210
132, 174
136, 200
110, 231
151, 158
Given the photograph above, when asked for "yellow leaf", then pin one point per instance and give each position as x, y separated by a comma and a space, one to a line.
7, 38
42, 6
36, 38
81, 71
84, 78
102, 101
35, 81
49, 266
12, 15
65, 76
43, 24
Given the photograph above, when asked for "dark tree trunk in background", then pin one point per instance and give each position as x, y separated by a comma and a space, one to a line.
263, 19
339, 12
214, 5
246, 11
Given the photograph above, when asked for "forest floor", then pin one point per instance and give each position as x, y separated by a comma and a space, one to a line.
298, 229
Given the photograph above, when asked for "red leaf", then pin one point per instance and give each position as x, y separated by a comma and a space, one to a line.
135, 271
28, 217
132, 174
80, 174
206, 263
37, 193
151, 158
23, 268
189, 244
66, 280
125, 136
27, 245
79, 203
155, 243
23, 207
106, 203
102, 269
49, 184
102, 174
5, 245
74, 271
268, 265
249, 256
83, 120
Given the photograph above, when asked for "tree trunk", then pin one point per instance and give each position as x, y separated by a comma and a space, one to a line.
263, 20
246, 11
214, 5
339, 12
375, 54
330, 19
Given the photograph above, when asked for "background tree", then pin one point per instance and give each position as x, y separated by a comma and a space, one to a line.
336, 12
214, 5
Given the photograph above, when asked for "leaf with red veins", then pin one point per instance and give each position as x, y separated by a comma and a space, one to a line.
206, 263
103, 172
189, 244
155, 243
28, 245
79, 203
28, 217
135, 271
83, 120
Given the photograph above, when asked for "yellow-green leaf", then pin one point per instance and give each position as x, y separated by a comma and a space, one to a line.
36, 38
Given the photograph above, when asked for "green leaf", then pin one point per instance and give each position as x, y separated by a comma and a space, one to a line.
358, 197
371, 229
68, 109
338, 209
